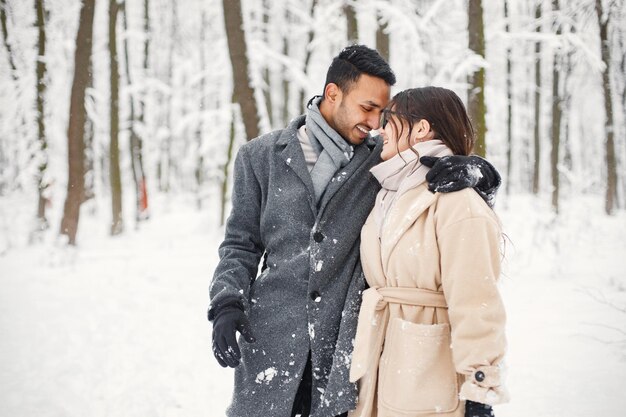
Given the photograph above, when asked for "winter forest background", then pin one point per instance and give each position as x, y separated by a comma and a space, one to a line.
129, 113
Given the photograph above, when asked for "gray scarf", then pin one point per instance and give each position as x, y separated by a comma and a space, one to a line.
333, 150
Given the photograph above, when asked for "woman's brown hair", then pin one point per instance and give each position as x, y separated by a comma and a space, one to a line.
443, 110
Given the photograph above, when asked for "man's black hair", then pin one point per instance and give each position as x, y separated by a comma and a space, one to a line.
355, 60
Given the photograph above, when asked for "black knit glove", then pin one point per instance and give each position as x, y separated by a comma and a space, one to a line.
473, 409
456, 172
226, 321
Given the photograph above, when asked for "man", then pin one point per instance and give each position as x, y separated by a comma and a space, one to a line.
300, 197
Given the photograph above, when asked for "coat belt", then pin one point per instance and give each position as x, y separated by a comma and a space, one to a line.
373, 319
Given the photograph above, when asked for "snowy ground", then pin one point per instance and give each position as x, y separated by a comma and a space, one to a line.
117, 327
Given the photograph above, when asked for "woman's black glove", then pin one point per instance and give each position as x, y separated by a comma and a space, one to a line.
473, 409
226, 321
456, 172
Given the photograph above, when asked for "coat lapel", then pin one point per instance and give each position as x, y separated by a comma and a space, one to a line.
294, 158
361, 153
371, 251
402, 215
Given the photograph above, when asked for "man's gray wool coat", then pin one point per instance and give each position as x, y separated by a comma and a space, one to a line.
309, 294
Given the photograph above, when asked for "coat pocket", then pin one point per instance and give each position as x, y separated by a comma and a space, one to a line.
417, 374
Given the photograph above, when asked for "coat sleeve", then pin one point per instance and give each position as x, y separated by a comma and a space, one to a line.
242, 247
470, 267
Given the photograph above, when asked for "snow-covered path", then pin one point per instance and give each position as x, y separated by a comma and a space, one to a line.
117, 328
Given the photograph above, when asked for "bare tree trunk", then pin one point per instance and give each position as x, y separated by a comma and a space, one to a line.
286, 84
382, 38
41, 126
131, 123
144, 214
4, 158
22, 126
509, 103
622, 71
237, 49
566, 100
76, 128
267, 93
566, 144
135, 140
229, 157
611, 162
117, 223
556, 122
90, 174
352, 25
309, 52
199, 171
536, 131
165, 160
476, 97
5, 37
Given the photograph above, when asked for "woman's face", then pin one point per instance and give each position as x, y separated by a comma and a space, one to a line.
392, 143
395, 133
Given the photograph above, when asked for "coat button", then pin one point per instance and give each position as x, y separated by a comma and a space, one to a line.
314, 295
318, 236
480, 376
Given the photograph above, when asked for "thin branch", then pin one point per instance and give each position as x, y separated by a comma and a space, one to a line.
606, 326
601, 298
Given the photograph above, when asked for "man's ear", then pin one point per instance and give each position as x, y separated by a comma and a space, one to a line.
332, 93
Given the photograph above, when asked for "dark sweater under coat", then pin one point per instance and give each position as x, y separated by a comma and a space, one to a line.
309, 295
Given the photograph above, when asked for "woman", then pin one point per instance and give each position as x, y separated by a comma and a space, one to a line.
430, 337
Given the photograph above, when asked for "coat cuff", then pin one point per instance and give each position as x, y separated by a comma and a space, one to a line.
485, 385
214, 309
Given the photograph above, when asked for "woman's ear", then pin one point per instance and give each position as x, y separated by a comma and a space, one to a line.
421, 131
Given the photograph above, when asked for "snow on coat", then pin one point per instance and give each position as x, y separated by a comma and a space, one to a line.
309, 295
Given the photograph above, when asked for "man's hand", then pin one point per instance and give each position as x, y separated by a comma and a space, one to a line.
456, 172
227, 321
473, 409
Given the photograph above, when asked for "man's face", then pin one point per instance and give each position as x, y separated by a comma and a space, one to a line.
355, 113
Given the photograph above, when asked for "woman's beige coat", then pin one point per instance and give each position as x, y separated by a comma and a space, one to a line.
433, 304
